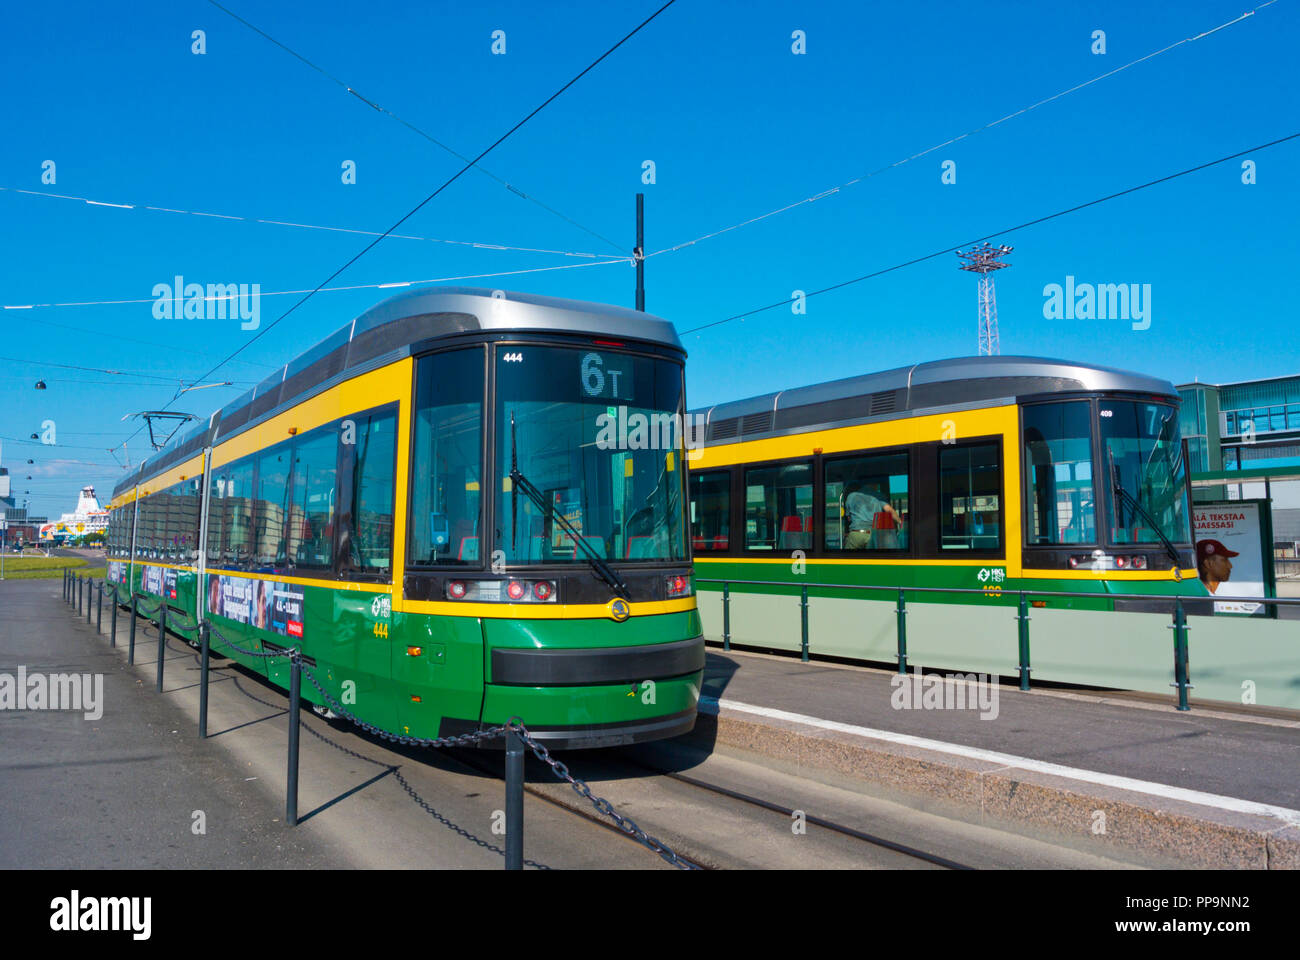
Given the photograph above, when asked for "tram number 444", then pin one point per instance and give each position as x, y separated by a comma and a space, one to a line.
381, 630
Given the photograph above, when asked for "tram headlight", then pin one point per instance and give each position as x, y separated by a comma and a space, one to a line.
456, 590
677, 585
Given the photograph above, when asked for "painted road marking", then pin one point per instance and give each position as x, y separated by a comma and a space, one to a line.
1285, 814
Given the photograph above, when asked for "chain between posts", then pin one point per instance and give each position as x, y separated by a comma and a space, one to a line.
603, 806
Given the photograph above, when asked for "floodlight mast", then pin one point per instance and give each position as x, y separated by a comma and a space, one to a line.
983, 260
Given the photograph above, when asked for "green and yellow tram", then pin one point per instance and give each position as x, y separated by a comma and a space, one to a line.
432, 506
990, 474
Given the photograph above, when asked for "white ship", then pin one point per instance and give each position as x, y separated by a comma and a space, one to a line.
87, 518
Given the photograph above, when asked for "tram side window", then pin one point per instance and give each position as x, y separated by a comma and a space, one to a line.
148, 525
373, 478
216, 512
272, 505
710, 510
311, 513
969, 485
779, 507
238, 536
1059, 506
867, 503
193, 512
446, 498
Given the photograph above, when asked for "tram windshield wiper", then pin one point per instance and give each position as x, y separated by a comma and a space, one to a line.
1135, 505
519, 482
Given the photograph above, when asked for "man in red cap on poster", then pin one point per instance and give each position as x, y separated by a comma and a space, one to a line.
1212, 563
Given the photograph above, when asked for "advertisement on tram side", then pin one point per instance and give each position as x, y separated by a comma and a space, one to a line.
1234, 554
265, 604
157, 579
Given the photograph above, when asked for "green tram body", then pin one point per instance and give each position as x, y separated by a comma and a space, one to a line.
770, 477
338, 506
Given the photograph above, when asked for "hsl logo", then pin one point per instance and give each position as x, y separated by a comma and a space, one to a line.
619, 610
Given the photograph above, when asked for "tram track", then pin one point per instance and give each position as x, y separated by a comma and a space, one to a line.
697, 859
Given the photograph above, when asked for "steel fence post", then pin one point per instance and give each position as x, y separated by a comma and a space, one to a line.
65, 585
803, 627
130, 650
291, 787
203, 680
514, 798
1181, 679
726, 616
1024, 641
112, 620
162, 638
901, 610
90, 589
99, 607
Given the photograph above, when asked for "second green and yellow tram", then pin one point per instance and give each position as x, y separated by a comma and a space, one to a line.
432, 506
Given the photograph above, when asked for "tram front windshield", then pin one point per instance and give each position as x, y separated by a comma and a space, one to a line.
597, 434
1142, 452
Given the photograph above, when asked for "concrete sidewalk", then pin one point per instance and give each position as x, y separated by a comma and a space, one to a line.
123, 790
1211, 787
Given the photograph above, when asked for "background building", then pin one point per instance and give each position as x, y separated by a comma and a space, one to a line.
1243, 442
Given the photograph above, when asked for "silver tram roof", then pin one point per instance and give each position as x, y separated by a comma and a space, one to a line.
387, 332
956, 384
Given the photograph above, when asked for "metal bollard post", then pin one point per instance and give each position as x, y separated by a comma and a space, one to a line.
112, 620
803, 626
162, 638
1181, 679
130, 650
726, 616
901, 610
203, 680
514, 798
291, 788
65, 584
90, 590
1024, 642
99, 607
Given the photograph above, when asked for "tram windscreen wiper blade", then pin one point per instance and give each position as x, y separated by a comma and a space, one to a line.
1134, 504
519, 482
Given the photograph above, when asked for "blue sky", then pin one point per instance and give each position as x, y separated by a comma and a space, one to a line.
736, 125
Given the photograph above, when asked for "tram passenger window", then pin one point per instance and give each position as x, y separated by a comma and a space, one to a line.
193, 511
1059, 507
272, 506
867, 503
310, 537
710, 510
969, 485
238, 536
778, 507
216, 512
373, 479
445, 461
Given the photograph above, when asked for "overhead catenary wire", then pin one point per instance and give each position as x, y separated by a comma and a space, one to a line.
468, 164
996, 233
423, 133
475, 244
951, 140
311, 290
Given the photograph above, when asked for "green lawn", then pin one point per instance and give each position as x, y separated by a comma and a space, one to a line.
40, 567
